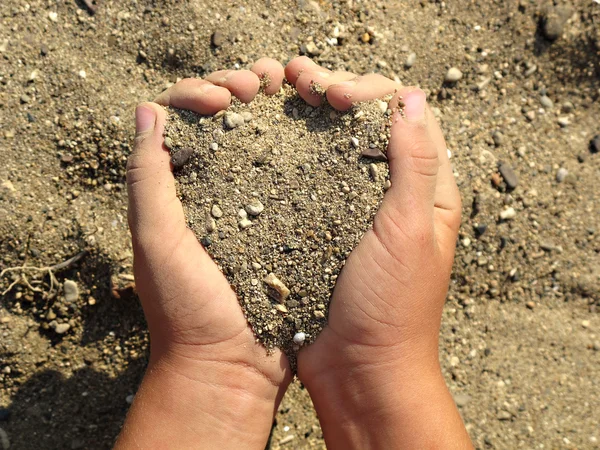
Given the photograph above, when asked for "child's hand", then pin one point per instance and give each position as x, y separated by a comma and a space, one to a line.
208, 383
373, 373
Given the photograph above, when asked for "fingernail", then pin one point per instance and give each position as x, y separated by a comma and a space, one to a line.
350, 83
324, 74
145, 118
205, 88
414, 104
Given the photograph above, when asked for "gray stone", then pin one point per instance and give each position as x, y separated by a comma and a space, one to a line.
498, 138
453, 75
504, 415
561, 174
554, 20
462, 399
217, 39
546, 102
255, 207
216, 211
233, 120
595, 144
410, 60
70, 291
509, 175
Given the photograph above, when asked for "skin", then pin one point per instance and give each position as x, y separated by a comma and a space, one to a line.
373, 373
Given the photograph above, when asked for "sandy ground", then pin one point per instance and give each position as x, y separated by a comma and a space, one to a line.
520, 342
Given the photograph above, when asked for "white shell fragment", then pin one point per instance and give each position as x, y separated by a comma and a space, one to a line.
278, 290
299, 338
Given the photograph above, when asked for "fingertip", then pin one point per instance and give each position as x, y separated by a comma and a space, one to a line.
310, 89
296, 66
341, 95
270, 73
195, 95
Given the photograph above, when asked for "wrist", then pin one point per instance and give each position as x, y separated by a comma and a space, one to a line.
373, 399
184, 403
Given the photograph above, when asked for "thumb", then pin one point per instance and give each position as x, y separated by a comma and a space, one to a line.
414, 164
154, 209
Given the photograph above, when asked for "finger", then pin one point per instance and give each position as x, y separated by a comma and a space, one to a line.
270, 73
195, 95
244, 84
368, 87
154, 208
296, 66
414, 165
312, 84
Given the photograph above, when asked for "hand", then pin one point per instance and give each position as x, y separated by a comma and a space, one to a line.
208, 383
373, 373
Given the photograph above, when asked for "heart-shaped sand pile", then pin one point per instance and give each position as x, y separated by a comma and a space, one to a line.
279, 193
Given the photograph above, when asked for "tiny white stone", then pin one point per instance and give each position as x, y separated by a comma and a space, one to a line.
354, 142
299, 338
449, 153
129, 399
53, 16
214, 146
245, 223
508, 214
82, 74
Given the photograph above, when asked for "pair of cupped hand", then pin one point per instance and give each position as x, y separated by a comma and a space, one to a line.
384, 319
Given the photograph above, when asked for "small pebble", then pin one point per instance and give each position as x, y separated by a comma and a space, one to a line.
411, 59
561, 174
563, 121
508, 214
509, 175
453, 75
374, 153
214, 146
546, 102
277, 289
62, 328
181, 157
217, 39
247, 116
498, 138
211, 225
233, 120
354, 142
70, 291
168, 143
245, 223
255, 207
216, 211
129, 399
299, 338
595, 144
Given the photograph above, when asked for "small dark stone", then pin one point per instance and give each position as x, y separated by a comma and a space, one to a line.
181, 157
374, 153
595, 144
206, 241
582, 157
4, 414
509, 175
480, 229
217, 39
30, 118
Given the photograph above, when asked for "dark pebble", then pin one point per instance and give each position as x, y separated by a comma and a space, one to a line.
374, 153
498, 138
509, 175
480, 229
217, 39
206, 241
595, 144
181, 157
4, 414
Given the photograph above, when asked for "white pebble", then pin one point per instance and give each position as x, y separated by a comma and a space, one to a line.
354, 142
255, 207
214, 146
561, 174
508, 214
53, 16
299, 338
453, 75
410, 60
449, 153
82, 74
245, 223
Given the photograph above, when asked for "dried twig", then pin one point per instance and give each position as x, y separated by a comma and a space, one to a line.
48, 269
